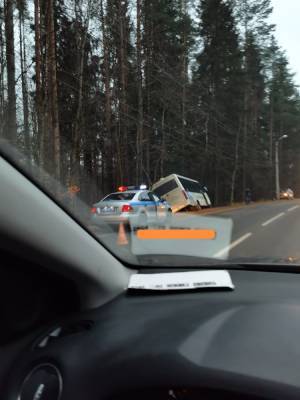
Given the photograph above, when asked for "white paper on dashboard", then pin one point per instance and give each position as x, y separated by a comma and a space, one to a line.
181, 280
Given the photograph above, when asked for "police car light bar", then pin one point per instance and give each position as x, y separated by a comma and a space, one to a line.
125, 188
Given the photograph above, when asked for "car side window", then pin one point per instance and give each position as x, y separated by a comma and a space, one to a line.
144, 197
153, 197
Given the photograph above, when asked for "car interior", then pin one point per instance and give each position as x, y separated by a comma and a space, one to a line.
72, 330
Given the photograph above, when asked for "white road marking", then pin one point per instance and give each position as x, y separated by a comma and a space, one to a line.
232, 245
293, 208
273, 219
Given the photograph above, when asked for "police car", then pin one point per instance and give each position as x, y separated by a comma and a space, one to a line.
134, 206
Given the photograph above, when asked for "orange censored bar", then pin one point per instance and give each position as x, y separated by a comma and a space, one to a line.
181, 234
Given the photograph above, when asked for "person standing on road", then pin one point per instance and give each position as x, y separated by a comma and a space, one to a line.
248, 196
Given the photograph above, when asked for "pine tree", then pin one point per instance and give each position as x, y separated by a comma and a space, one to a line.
129, 91
254, 97
255, 31
139, 78
216, 78
118, 31
81, 36
108, 164
167, 42
78, 95
285, 104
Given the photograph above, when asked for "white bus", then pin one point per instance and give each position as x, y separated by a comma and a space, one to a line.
181, 192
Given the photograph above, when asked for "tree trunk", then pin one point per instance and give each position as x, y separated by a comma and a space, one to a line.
52, 89
235, 167
2, 68
11, 133
120, 170
123, 129
38, 82
217, 165
108, 139
245, 141
205, 157
271, 138
163, 144
139, 136
148, 51
75, 152
24, 84
184, 81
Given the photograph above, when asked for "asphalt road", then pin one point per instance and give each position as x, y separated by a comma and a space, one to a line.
266, 230
262, 232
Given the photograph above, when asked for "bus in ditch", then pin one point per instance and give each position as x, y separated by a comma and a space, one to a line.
182, 193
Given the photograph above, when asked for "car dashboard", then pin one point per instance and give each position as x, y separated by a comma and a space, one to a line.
204, 344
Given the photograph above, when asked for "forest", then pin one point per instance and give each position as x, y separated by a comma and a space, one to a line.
102, 93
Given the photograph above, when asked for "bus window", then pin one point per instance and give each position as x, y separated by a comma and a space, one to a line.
165, 188
190, 186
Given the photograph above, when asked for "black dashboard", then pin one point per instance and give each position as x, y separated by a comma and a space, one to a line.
31, 296
241, 344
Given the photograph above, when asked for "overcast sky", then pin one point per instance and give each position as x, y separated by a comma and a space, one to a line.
286, 15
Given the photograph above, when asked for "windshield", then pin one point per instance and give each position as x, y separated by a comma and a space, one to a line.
98, 98
189, 185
